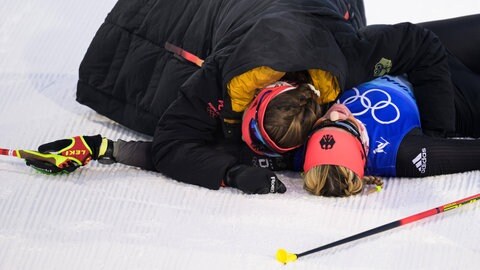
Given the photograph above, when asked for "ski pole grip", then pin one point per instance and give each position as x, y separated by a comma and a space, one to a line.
57, 160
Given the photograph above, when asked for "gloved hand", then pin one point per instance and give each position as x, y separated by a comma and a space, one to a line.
47, 163
253, 180
78, 151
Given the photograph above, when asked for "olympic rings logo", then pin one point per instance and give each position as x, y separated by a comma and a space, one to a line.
374, 108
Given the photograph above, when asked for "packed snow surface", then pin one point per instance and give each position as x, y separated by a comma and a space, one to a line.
118, 217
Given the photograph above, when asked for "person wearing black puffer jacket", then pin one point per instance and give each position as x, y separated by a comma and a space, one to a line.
139, 53
185, 132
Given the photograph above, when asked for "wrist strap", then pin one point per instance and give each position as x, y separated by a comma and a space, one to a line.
105, 153
103, 147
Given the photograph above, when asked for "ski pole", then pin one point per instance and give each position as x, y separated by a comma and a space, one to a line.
9, 152
24, 154
57, 160
284, 257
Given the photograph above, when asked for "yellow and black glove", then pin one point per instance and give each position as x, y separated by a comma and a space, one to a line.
66, 155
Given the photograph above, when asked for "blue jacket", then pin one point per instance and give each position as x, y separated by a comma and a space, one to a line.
388, 110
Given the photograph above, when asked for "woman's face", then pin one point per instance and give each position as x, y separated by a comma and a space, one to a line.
337, 112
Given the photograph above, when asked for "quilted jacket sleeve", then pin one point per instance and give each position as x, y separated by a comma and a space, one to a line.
183, 144
407, 49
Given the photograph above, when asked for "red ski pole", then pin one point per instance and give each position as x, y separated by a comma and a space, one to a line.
284, 257
57, 160
9, 152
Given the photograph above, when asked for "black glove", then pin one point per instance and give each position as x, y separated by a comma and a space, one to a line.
253, 180
78, 151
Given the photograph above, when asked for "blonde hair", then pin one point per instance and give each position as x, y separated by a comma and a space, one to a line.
336, 181
290, 116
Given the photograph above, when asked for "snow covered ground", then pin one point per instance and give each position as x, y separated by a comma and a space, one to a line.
116, 217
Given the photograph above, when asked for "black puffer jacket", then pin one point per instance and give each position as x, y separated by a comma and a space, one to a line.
129, 76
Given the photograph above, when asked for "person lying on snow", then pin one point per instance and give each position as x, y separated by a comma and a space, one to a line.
190, 130
383, 135
375, 130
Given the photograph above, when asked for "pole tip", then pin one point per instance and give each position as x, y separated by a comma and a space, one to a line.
285, 257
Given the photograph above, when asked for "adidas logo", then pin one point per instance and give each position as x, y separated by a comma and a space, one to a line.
420, 161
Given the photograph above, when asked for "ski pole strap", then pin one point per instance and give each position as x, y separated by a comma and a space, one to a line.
190, 57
